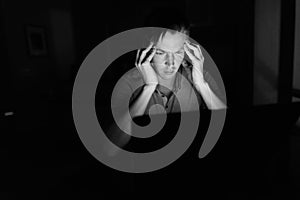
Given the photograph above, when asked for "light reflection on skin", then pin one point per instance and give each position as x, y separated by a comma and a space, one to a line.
169, 55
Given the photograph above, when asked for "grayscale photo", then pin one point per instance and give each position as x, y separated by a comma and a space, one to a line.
150, 99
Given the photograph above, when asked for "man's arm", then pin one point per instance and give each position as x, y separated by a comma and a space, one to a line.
195, 54
211, 100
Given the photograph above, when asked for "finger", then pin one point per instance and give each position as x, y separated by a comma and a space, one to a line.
194, 49
151, 55
201, 55
144, 53
191, 44
199, 52
137, 57
187, 51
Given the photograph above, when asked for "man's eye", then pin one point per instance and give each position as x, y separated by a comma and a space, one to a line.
159, 52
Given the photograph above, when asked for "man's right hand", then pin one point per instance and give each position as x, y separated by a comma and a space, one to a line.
144, 67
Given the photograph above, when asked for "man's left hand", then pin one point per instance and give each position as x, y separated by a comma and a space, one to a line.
194, 53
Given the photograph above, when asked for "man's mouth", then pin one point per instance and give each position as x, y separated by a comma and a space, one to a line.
169, 72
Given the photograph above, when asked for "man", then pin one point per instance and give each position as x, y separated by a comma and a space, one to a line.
162, 76
162, 71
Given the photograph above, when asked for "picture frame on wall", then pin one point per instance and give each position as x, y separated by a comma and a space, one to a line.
36, 40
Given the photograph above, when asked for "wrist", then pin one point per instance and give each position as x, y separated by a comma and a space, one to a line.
199, 80
198, 77
150, 86
201, 84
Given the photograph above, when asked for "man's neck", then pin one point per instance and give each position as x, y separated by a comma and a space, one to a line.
168, 83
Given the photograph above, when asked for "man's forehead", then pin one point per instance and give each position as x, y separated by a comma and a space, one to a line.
171, 42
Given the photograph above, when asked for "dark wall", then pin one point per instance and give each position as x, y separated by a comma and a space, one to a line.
267, 39
31, 77
296, 79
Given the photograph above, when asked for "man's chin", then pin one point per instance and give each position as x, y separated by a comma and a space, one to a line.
167, 76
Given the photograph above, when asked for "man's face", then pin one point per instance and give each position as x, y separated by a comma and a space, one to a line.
169, 54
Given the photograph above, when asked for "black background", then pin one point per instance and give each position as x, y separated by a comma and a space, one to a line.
42, 155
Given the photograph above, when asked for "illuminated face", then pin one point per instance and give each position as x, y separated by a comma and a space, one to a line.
169, 54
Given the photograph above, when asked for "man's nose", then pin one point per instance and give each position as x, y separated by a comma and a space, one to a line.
170, 59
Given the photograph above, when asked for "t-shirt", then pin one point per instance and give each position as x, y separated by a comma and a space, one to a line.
183, 98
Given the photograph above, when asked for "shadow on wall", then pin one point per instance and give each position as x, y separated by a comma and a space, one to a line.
265, 84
